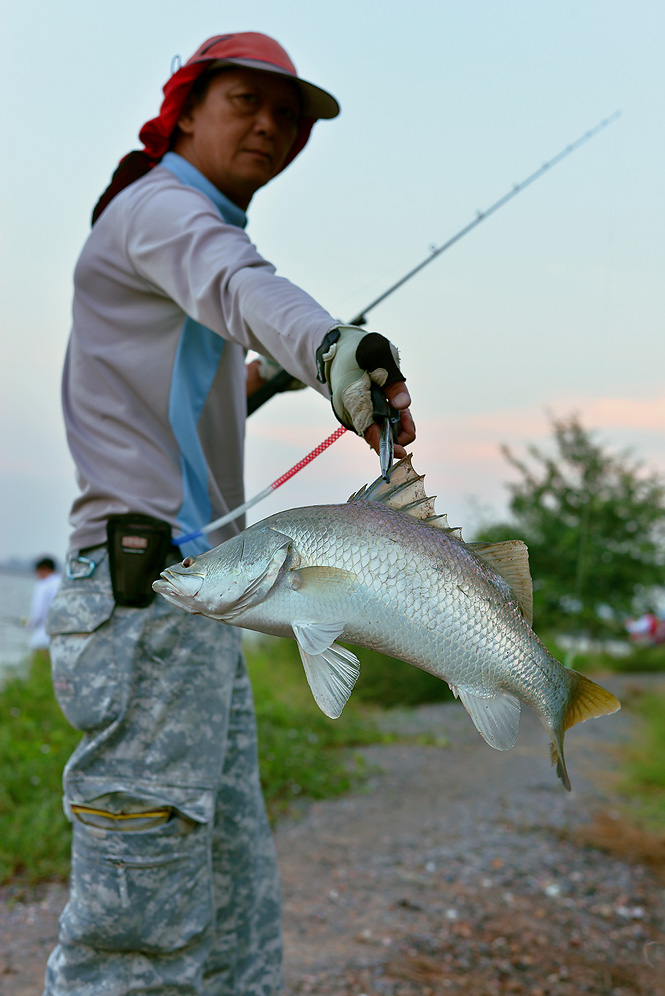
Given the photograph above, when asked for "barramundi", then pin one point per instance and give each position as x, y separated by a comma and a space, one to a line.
385, 572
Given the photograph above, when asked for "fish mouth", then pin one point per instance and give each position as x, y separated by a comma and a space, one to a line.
178, 587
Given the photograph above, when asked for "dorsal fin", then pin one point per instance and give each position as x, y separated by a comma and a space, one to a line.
421, 508
403, 481
405, 492
441, 522
510, 559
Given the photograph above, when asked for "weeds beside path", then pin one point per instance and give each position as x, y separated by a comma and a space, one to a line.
457, 870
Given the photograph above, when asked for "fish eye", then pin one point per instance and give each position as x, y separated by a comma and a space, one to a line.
187, 562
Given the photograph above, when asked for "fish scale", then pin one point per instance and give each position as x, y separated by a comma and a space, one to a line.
383, 572
467, 646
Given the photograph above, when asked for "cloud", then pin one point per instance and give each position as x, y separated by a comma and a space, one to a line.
632, 413
638, 421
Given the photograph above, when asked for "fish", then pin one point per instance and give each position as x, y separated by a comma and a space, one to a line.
385, 572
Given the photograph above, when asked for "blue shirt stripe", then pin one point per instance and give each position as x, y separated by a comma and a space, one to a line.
197, 359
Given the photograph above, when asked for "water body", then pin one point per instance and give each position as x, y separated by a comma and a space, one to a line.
15, 594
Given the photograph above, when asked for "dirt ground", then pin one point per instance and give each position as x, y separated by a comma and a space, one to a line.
458, 870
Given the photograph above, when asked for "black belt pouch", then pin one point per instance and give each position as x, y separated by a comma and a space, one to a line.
137, 546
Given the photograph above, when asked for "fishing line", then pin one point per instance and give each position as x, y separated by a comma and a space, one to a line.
230, 516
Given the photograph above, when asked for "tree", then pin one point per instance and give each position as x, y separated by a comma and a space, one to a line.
594, 523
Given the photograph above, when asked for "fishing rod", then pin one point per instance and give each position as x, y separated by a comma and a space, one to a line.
281, 381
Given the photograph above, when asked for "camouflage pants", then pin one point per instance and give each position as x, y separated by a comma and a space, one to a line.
174, 887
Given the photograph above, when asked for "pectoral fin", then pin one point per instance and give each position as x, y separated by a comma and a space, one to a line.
331, 675
496, 719
315, 637
321, 575
307, 580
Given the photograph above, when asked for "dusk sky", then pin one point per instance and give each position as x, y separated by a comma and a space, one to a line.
554, 305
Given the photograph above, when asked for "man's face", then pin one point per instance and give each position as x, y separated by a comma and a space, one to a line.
239, 135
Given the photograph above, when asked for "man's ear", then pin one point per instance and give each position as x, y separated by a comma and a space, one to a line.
186, 122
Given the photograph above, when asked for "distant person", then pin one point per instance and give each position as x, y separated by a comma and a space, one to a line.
648, 629
48, 582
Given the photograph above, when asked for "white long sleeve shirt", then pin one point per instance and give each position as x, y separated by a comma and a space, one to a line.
42, 595
169, 295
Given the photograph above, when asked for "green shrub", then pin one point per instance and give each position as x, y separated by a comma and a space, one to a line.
641, 660
35, 742
638, 660
387, 682
302, 754
644, 765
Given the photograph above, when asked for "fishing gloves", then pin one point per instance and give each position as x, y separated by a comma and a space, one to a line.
349, 361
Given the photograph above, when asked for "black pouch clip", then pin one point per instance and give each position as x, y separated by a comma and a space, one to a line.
138, 546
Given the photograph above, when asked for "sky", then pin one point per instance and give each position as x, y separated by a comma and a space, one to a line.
552, 306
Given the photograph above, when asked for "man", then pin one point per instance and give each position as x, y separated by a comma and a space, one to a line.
174, 886
46, 586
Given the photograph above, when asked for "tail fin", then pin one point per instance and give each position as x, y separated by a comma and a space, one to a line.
586, 700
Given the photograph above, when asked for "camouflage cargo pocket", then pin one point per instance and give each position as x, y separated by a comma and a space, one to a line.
148, 891
83, 666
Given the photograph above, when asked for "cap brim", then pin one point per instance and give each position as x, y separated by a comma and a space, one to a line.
316, 103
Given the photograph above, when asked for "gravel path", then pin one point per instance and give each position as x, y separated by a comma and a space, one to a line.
459, 870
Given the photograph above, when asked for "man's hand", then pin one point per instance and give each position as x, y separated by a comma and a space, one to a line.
349, 360
263, 369
399, 398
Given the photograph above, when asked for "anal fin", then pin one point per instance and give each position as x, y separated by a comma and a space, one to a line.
497, 719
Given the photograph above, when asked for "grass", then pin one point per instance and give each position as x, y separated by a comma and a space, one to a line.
35, 742
634, 830
302, 753
639, 660
642, 775
387, 682
644, 764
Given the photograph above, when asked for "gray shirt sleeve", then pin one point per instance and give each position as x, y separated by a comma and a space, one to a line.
176, 240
